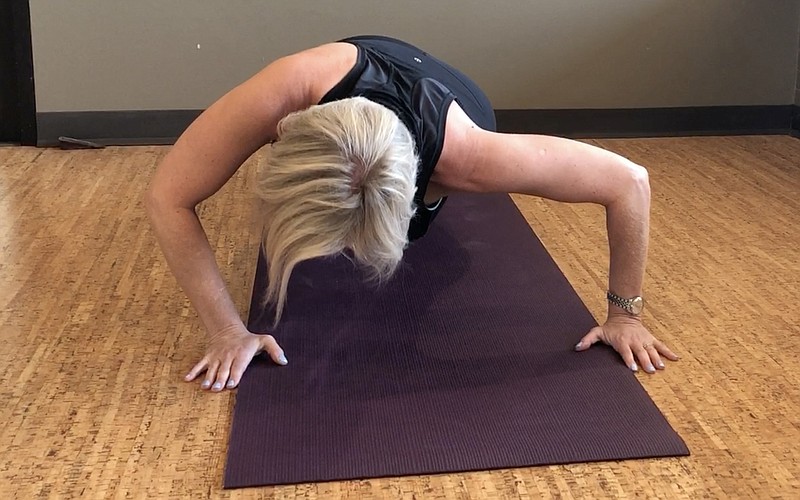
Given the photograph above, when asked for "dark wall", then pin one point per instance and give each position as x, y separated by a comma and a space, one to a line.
796, 118
9, 112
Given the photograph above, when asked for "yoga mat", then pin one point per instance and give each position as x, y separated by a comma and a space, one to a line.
463, 361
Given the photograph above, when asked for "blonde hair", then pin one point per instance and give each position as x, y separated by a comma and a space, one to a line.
341, 175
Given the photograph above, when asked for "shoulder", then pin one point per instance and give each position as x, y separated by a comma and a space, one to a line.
299, 80
318, 69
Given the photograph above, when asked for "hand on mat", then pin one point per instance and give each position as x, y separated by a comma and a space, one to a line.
632, 341
228, 354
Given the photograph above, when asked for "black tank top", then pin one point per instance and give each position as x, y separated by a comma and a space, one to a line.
419, 89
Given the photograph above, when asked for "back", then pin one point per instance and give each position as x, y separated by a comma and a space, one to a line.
419, 89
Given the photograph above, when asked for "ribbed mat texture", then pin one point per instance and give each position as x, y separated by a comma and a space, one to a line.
463, 361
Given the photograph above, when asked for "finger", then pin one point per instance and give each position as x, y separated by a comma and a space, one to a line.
666, 351
594, 336
271, 347
222, 375
652, 352
644, 359
211, 374
237, 370
627, 356
197, 370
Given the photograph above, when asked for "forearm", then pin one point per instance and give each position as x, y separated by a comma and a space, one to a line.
191, 259
628, 224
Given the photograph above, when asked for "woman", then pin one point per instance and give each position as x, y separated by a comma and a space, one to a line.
370, 135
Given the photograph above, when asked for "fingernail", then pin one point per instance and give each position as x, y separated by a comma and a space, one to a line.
650, 369
578, 345
187, 377
634, 367
282, 359
217, 386
231, 383
660, 364
206, 384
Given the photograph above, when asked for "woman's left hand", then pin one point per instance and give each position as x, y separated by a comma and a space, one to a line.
632, 341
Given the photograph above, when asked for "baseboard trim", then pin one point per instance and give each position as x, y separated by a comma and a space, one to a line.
164, 126
121, 128
648, 122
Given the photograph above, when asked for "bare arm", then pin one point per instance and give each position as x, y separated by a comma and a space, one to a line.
562, 170
570, 171
200, 163
202, 160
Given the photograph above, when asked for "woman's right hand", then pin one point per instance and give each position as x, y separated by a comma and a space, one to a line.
228, 354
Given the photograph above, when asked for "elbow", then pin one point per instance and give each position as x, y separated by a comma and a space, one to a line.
633, 187
638, 172
637, 182
156, 204
150, 203
640, 180
161, 206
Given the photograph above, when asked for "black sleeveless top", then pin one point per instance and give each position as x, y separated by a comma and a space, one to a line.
419, 89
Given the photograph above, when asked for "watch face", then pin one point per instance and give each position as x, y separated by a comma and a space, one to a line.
637, 304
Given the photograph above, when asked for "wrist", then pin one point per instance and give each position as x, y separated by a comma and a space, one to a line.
614, 310
617, 315
225, 331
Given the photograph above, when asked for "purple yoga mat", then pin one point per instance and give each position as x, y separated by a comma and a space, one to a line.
463, 361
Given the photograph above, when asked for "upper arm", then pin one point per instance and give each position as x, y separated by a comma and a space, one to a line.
216, 144
552, 167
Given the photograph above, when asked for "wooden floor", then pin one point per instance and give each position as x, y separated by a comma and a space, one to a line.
95, 335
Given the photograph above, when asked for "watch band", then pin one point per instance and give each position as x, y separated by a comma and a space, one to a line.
632, 306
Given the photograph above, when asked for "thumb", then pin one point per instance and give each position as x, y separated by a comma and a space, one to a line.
595, 335
271, 347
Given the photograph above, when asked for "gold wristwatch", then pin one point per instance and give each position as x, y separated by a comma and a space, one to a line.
632, 306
